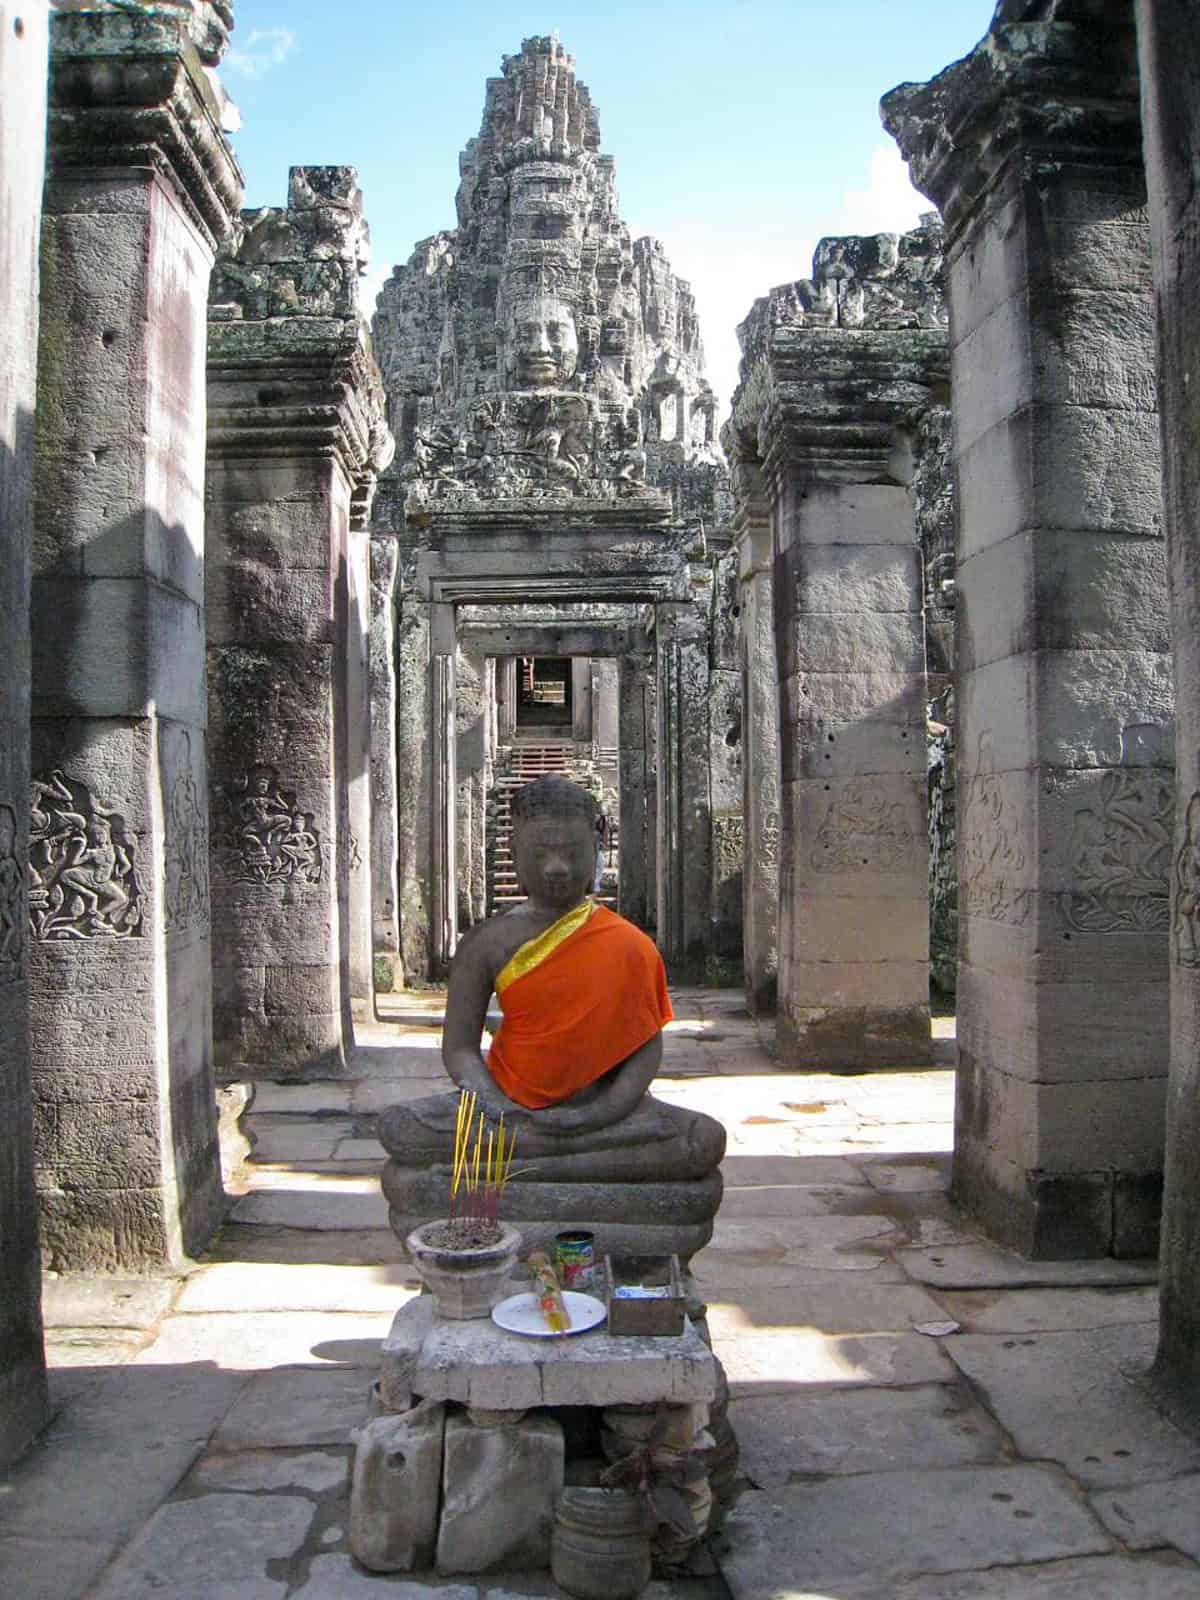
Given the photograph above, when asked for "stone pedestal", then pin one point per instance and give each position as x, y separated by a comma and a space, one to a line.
295, 430
1170, 63
22, 151
760, 744
141, 186
385, 846
1065, 736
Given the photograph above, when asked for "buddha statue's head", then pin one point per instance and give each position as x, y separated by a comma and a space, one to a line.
541, 344
555, 838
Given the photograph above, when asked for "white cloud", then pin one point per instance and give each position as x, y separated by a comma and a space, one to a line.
262, 49
889, 203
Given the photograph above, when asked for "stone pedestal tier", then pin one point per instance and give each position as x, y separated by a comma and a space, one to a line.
650, 1185
295, 438
140, 189
22, 152
1065, 736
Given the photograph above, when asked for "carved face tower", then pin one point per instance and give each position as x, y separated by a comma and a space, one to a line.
541, 343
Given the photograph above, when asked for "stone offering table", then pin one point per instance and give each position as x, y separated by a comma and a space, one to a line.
463, 1465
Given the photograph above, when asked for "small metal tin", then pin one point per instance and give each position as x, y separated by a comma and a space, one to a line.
575, 1258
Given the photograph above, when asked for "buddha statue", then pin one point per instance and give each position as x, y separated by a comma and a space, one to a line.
584, 999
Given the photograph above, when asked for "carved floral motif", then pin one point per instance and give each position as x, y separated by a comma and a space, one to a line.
12, 900
1120, 856
861, 829
83, 879
274, 841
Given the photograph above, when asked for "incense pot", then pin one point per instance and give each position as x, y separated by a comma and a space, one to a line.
464, 1282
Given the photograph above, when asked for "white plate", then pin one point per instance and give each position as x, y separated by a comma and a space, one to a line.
521, 1313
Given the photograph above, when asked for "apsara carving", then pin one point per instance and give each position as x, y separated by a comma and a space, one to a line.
274, 841
83, 880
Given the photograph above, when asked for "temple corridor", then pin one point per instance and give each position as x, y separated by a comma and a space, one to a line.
888, 1369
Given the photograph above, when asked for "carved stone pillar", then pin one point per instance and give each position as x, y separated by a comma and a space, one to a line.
356, 837
839, 368
141, 187
443, 833
760, 742
385, 903
414, 784
1031, 146
637, 738
725, 784
1170, 59
23, 1408
684, 850
295, 429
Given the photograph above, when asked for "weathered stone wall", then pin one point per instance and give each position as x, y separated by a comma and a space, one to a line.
141, 186
1031, 146
1169, 49
23, 33
295, 438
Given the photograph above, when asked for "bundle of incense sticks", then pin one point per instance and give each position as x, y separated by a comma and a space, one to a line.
481, 1167
549, 1294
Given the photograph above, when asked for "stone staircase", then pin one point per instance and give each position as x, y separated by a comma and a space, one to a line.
528, 760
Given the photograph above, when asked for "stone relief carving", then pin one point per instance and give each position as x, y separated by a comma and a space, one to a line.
729, 843
1185, 930
861, 829
186, 890
12, 900
768, 840
274, 841
993, 859
1120, 853
83, 880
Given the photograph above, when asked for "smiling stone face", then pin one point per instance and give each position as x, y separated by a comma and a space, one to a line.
541, 343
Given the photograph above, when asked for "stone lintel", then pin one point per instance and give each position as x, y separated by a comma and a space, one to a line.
648, 512
1030, 91
129, 89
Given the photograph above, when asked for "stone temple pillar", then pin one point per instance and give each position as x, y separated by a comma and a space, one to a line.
637, 726
684, 850
414, 784
1170, 58
1065, 730
141, 186
356, 836
23, 1406
295, 428
760, 741
385, 556
838, 370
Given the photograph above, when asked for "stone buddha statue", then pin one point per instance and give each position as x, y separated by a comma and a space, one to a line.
583, 996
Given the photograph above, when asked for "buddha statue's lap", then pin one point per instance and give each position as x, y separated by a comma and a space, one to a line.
593, 1148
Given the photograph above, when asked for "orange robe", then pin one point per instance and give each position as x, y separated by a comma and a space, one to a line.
577, 1000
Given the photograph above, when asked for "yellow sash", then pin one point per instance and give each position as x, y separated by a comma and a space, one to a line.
534, 951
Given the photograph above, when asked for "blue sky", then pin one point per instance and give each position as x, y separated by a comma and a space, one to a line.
743, 130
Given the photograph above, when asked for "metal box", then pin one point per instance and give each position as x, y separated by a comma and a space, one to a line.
660, 1311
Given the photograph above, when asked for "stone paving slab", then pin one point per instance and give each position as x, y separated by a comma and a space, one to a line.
1043, 1310
298, 1407
790, 1437
250, 1341
77, 1302
216, 1544
300, 1098
783, 1362
1155, 1514
1161, 1577
881, 1527
846, 1306
751, 1171
724, 1273
325, 1208
256, 1470
1063, 1397
849, 1244
909, 1177
243, 1286
984, 1266
287, 1138
261, 1242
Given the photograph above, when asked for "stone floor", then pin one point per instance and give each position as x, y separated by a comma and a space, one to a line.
920, 1416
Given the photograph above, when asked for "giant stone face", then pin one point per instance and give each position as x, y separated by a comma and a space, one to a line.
541, 344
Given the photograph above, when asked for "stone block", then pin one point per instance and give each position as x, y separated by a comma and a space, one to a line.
394, 1494
856, 836
853, 1037
830, 578
401, 1353
844, 929
848, 514
499, 1489
851, 641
